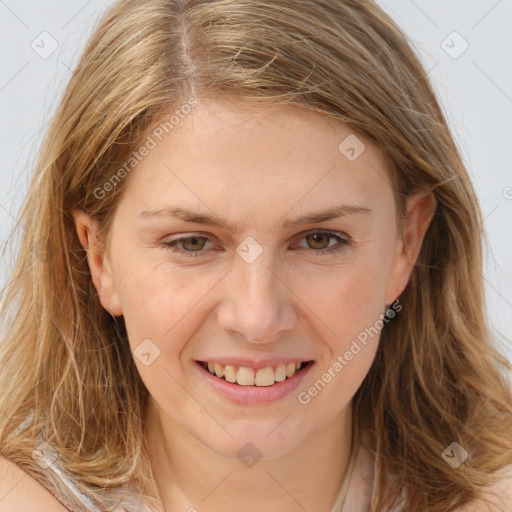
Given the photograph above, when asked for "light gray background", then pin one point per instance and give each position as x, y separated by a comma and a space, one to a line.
475, 88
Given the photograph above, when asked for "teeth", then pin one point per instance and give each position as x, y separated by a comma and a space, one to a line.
264, 377
245, 376
280, 373
290, 369
261, 377
219, 370
229, 373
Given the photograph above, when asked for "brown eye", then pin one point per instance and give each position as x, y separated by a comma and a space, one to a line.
319, 240
187, 246
193, 243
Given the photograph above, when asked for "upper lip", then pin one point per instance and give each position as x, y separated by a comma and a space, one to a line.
249, 363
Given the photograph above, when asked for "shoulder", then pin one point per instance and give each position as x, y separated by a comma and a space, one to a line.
20, 491
497, 498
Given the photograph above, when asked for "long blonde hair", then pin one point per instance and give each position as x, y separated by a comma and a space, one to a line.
66, 371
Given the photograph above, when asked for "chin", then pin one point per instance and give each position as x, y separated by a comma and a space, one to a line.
249, 442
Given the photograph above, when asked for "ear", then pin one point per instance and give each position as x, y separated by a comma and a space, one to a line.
420, 210
88, 234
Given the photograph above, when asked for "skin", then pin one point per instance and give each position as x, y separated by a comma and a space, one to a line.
255, 169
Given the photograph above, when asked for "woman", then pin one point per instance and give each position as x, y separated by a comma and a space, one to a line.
251, 277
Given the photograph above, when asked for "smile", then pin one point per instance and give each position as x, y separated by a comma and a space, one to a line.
249, 385
246, 376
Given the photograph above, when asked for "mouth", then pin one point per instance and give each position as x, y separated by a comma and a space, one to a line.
248, 385
259, 377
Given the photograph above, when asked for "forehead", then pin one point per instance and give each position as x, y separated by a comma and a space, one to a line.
234, 154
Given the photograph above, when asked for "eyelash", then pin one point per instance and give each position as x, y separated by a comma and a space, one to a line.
343, 241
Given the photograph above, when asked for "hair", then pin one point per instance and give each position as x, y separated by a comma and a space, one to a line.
66, 370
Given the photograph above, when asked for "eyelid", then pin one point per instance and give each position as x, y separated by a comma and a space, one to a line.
341, 234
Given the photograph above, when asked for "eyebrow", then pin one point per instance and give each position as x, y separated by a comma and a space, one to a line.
212, 220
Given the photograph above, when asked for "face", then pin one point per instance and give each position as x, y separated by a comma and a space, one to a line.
220, 252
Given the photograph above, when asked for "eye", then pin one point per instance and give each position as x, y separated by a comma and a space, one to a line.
320, 241
192, 245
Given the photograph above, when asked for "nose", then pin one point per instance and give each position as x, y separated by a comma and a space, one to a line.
258, 306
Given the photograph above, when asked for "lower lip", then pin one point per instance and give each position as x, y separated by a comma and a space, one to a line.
254, 394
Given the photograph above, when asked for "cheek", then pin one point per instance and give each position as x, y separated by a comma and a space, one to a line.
159, 309
158, 301
352, 308
350, 298
353, 312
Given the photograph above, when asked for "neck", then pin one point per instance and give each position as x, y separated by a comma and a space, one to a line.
191, 477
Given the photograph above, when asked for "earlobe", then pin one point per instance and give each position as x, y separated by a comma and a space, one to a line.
89, 236
421, 207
